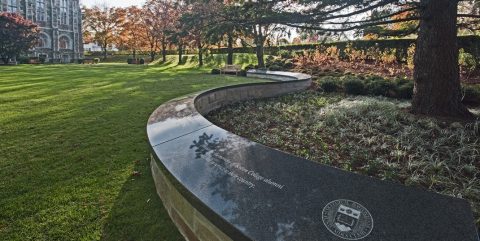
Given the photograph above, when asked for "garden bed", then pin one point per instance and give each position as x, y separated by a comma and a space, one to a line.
366, 135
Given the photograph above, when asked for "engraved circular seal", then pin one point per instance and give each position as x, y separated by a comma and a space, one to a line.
347, 219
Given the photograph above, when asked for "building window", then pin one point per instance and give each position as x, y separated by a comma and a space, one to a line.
64, 12
12, 6
64, 43
41, 10
43, 41
29, 10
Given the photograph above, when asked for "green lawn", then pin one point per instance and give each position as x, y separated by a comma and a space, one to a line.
71, 137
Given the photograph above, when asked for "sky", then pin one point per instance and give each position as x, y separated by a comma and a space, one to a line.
112, 3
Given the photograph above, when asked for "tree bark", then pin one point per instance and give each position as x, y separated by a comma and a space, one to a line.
105, 51
200, 54
437, 89
164, 49
259, 46
152, 56
230, 49
180, 52
152, 51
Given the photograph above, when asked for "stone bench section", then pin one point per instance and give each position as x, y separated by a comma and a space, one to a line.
216, 185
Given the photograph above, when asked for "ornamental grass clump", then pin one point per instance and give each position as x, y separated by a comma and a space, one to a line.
329, 85
354, 86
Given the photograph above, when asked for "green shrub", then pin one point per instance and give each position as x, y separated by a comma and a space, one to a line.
274, 61
269, 59
374, 78
467, 61
42, 59
299, 53
279, 63
288, 64
242, 73
23, 60
405, 91
381, 87
249, 67
471, 95
329, 85
285, 54
354, 86
275, 67
402, 81
215, 71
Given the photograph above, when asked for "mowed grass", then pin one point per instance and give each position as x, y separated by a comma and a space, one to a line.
71, 138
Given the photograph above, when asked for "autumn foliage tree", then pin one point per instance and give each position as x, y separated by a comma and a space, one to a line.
161, 17
17, 36
132, 31
104, 24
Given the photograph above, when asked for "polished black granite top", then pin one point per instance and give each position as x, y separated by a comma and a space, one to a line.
292, 75
265, 194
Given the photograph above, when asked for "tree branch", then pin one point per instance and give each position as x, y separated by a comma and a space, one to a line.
374, 19
468, 16
352, 27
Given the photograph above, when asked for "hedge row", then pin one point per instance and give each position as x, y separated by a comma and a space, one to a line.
471, 44
377, 86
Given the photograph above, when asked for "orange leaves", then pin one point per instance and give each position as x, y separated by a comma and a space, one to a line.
103, 24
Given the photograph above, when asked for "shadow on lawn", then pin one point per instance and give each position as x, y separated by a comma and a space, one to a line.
139, 201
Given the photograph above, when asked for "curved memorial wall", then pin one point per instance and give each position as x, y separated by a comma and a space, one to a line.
218, 186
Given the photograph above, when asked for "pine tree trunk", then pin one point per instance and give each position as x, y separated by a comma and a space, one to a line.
437, 80
230, 50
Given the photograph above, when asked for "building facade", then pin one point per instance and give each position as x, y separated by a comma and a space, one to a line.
60, 24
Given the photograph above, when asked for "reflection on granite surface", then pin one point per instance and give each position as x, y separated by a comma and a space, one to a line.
175, 118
